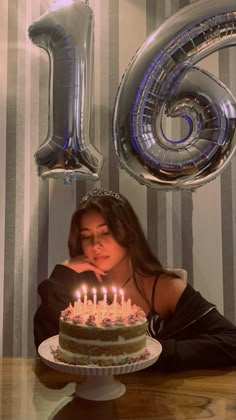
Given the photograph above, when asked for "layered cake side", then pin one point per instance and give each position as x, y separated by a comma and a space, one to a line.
102, 334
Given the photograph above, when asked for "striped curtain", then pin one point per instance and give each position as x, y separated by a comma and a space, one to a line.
195, 231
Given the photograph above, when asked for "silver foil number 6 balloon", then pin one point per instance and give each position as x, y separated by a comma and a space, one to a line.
65, 31
162, 81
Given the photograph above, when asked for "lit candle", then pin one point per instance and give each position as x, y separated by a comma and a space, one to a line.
122, 298
94, 299
104, 290
85, 296
77, 303
104, 302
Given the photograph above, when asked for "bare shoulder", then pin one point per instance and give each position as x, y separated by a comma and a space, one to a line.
168, 291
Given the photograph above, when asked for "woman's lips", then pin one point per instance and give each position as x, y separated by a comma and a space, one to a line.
101, 258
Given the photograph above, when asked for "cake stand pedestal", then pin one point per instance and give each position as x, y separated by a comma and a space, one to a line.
99, 384
100, 388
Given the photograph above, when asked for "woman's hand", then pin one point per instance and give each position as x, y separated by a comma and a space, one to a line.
81, 264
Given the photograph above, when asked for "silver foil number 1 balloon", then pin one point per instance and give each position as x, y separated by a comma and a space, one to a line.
66, 32
162, 81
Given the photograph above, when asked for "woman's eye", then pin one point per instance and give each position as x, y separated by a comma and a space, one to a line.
105, 233
86, 238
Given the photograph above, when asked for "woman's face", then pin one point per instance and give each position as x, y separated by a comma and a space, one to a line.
98, 244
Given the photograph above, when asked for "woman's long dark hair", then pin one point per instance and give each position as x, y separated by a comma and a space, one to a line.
124, 226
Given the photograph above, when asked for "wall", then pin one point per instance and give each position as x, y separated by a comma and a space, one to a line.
191, 230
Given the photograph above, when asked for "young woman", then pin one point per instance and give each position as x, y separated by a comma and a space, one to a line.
107, 246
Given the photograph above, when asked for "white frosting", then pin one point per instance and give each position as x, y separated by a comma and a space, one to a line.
101, 327
104, 315
120, 340
116, 358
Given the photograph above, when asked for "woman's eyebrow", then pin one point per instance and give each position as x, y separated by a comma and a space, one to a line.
101, 225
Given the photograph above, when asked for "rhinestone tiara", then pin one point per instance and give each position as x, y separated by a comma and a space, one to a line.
96, 192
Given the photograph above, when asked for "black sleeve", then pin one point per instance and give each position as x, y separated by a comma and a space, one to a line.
56, 293
209, 343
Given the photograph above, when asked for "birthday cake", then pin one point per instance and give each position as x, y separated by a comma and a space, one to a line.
102, 334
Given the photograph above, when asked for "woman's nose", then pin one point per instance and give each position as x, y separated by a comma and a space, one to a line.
97, 240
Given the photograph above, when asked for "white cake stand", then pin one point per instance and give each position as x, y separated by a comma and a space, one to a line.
100, 384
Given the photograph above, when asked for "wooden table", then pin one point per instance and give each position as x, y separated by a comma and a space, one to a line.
30, 390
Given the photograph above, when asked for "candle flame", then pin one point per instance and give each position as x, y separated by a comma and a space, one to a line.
114, 289
84, 289
94, 290
104, 290
121, 292
78, 294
